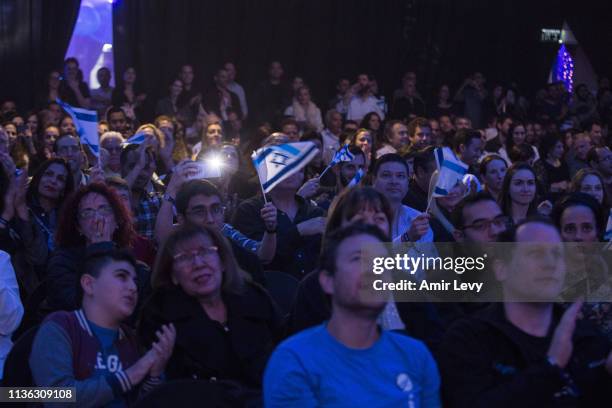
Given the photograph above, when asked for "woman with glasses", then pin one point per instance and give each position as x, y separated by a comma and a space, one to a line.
93, 219
226, 326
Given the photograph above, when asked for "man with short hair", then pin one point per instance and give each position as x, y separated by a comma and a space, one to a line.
290, 128
101, 97
363, 101
503, 127
396, 136
577, 157
91, 349
467, 145
342, 99
461, 122
596, 134
236, 88
424, 165
69, 148
478, 218
391, 180
526, 351
436, 133
348, 360
219, 98
419, 133
271, 96
118, 121
331, 134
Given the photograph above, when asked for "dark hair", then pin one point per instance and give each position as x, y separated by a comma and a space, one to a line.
488, 159
389, 158
548, 143
40, 171
389, 129
521, 153
311, 135
233, 276
464, 137
71, 59
4, 186
505, 253
576, 183
95, 261
457, 217
365, 122
354, 150
191, 189
584, 200
510, 136
333, 240
288, 121
423, 157
504, 200
417, 122
350, 202
67, 234
114, 109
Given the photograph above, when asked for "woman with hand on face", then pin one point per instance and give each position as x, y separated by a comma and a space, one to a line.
93, 219
363, 139
226, 326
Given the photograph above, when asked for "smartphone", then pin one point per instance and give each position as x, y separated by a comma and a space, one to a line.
206, 169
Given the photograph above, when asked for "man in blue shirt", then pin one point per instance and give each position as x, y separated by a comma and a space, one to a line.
349, 361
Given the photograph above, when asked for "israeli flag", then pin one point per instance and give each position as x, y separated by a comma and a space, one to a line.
86, 122
342, 155
450, 169
356, 179
275, 163
137, 139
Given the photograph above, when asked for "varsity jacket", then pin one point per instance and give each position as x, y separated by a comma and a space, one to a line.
65, 352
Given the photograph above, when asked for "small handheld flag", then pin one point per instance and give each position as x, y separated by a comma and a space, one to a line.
136, 139
451, 171
342, 155
86, 122
275, 163
356, 179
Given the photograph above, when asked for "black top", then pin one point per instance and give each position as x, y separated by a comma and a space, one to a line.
270, 101
68, 96
416, 197
486, 361
295, 254
205, 348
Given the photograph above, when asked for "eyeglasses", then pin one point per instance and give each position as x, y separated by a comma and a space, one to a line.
187, 257
202, 212
90, 213
482, 225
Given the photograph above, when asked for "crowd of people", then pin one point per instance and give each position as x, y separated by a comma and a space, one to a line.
129, 270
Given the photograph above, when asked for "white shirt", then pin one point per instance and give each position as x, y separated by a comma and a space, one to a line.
386, 149
11, 309
239, 91
404, 221
358, 108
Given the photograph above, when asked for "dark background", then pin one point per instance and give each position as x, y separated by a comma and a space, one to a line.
321, 40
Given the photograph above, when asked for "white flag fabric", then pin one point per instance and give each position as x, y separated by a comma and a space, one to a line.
276, 163
356, 179
86, 122
136, 139
450, 169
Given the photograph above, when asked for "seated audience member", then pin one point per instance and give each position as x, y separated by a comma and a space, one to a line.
169, 105
521, 353
589, 181
101, 97
391, 179
20, 236
423, 166
577, 156
211, 135
44, 144
92, 349
50, 186
492, 171
118, 121
551, 169
69, 148
11, 309
419, 133
331, 135
395, 137
440, 209
112, 143
138, 164
226, 326
478, 218
600, 159
72, 89
314, 169
304, 111
373, 123
518, 196
362, 138
199, 202
467, 145
299, 225
92, 219
219, 98
363, 100
345, 361
516, 138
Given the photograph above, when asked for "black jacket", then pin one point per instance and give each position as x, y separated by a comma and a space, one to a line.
63, 276
485, 361
204, 348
